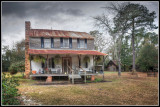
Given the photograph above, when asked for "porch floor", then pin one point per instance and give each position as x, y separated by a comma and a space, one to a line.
45, 75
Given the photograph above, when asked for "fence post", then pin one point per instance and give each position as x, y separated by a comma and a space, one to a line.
72, 78
85, 76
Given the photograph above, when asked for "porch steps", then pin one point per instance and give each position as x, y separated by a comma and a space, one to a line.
74, 76
77, 79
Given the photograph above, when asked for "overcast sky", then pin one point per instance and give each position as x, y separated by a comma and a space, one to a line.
72, 16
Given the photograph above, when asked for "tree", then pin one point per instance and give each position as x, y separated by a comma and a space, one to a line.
108, 25
13, 55
150, 60
131, 18
99, 41
126, 54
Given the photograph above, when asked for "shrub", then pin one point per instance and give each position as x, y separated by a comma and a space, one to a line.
148, 57
9, 90
17, 67
38, 58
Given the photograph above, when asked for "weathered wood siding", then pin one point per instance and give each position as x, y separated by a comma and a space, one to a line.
35, 43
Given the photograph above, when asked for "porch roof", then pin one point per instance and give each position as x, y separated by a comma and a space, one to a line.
82, 52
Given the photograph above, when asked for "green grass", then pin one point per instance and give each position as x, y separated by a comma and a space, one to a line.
125, 90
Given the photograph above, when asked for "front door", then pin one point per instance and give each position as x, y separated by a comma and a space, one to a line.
66, 61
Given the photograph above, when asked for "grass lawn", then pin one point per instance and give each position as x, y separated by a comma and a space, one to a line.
125, 90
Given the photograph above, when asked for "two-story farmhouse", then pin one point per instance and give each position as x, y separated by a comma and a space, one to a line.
59, 53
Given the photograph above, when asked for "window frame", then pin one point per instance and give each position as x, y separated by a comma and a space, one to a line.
63, 44
48, 43
80, 43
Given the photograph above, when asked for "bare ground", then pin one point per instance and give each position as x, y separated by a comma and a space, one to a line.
125, 90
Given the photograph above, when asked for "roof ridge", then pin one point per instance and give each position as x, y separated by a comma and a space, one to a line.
59, 30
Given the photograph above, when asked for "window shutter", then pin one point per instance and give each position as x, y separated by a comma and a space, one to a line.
70, 42
86, 64
42, 65
61, 40
86, 43
42, 42
52, 63
78, 42
52, 42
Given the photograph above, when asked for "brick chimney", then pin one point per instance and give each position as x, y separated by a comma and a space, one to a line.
27, 25
27, 61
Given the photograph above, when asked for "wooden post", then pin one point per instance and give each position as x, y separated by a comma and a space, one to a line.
93, 63
85, 76
47, 65
30, 64
103, 68
72, 77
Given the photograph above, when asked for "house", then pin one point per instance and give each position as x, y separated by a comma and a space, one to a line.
59, 53
112, 65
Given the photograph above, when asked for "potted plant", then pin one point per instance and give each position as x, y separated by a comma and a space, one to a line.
98, 59
57, 59
39, 59
86, 59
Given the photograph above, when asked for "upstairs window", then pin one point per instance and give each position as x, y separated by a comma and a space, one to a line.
81, 43
47, 43
65, 43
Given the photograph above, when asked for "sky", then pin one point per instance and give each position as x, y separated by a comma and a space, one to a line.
71, 16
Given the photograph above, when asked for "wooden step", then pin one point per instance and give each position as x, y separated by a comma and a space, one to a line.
74, 76
77, 81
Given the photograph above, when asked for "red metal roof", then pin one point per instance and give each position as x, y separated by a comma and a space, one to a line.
58, 33
82, 52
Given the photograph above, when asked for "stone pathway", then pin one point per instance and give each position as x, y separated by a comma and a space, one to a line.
29, 101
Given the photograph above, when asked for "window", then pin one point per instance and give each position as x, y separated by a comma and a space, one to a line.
86, 64
43, 65
53, 65
47, 43
65, 43
81, 43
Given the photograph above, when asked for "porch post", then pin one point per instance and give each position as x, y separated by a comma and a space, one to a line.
47, 65
93, 63
30, 64
103, 68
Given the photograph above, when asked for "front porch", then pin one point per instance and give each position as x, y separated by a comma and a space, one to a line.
71, 65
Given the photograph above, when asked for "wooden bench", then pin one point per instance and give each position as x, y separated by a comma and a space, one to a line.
152, 74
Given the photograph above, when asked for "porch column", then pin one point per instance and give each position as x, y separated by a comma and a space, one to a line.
47, 65
79, 60
103, 67
93, 64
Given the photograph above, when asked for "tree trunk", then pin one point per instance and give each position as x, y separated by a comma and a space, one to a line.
133, 49
119, 65
119, 60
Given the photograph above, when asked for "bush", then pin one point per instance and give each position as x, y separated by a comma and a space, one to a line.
9, 91
17, 67
148, 57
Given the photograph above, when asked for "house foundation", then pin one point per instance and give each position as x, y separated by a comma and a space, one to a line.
49, 79
92, 78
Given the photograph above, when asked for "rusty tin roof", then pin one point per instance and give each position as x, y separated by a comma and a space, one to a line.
59, 33
82, 52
